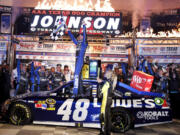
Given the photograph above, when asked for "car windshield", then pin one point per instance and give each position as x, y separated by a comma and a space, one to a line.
67, 89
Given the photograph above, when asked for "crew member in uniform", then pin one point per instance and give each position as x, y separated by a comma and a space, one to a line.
106, 93
23, 80
58, 77
42, 79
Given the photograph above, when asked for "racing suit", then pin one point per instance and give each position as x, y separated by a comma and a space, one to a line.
58, 77
43, 81
106, 108
80, 53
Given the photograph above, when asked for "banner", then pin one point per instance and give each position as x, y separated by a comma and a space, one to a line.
66, 51
96, 22
6, 9
70, 48
5, 23
159, 50
142, 81
3, 51
160, 53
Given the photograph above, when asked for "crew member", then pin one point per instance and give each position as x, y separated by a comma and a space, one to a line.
23, 79
106, 93
58, 78
51, 77
42, 79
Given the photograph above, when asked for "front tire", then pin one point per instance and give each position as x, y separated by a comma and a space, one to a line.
20, 114
121, 120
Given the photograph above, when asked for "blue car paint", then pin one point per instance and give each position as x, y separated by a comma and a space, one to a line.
143, 109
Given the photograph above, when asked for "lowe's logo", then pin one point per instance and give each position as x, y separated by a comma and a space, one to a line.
134, 103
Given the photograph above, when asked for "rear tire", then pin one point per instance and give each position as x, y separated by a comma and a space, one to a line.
20, 114
121, 120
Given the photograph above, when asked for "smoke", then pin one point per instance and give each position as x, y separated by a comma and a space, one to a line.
143, 8
139, 8
16, 12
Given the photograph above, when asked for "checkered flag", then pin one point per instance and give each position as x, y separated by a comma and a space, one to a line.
59, 29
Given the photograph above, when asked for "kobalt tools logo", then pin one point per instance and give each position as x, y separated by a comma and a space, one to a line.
96, 22
151, 115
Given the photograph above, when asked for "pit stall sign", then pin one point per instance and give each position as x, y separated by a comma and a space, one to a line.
96, 22
160, 50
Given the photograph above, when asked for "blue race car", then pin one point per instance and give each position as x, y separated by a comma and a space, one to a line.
61, 107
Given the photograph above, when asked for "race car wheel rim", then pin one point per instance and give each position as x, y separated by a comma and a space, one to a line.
120, 121
19, 115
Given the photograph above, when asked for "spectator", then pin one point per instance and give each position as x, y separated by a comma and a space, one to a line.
67, 73
129, 75
174, 79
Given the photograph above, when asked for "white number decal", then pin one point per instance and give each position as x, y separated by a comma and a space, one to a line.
65, 109
80, 112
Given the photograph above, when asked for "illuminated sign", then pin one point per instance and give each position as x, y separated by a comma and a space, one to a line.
96, 22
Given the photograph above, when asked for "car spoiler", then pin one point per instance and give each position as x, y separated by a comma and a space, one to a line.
144, 93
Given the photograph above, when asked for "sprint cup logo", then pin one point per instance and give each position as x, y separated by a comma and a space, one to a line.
151, 115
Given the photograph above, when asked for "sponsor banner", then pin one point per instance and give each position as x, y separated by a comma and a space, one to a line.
5, 23
45, 47
166, 60
3, 51
66, 58
142, 81
96, 22
66, 51
70, 48
41, 57
160, 53
158, 42
115, 49
26, 38
4, 38
159, 50
5, 9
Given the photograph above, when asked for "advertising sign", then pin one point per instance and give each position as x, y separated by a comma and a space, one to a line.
161, 53
96, 22
66, 51
5, 23
142, 81
3, 51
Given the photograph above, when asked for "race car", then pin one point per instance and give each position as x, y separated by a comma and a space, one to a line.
61, 107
